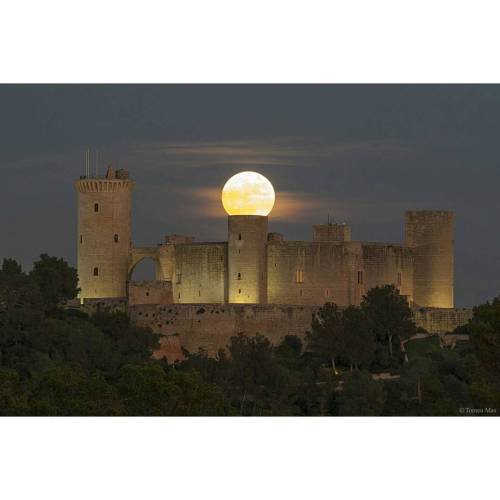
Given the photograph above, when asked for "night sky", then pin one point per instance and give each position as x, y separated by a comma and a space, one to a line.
361, 154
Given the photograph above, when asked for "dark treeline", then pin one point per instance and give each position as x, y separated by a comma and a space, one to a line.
358, 361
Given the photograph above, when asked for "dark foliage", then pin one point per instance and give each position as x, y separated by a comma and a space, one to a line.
56, 279
60, 361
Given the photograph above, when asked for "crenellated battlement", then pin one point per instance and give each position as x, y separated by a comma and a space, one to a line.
102, 185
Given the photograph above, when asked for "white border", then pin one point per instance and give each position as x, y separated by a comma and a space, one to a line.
318, 41
258, 41
248, 458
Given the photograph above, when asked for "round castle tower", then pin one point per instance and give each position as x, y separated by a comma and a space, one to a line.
246, 259
248, 197
429, 233
104, 234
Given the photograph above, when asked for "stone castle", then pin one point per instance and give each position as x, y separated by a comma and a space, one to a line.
256, 275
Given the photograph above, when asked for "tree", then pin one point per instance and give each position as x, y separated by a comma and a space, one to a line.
428, 388
56, 279
12, 397
413, 375
484, 332
484, 361
389, 313
21, 303
256, 380
132, 343
66, 391
359, 337
361, 395
289, 351
10, 267
150, 390
327, 333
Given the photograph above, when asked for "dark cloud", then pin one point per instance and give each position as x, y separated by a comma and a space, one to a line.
361, 154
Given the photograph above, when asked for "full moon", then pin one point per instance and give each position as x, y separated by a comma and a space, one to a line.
248, 193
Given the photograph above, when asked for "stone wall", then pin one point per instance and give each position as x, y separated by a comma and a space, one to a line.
441, 320
385, 264
200, 273
211, 326
312, 273
92, 306
293, 272
149, 292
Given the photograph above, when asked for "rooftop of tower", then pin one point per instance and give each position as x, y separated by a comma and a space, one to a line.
111, 175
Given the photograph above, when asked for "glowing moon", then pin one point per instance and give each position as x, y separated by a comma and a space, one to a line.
248, 193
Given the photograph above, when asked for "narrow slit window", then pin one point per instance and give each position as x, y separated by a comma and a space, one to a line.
96, 207
239, 236
399, 278
96, 271
299, 276
81, 238
239, 276
116, 238
360, 277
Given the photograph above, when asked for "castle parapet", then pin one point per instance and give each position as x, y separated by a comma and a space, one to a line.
331, 232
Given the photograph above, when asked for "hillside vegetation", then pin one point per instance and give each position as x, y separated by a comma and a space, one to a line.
59, 361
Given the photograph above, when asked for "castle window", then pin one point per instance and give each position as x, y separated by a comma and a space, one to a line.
96, 207
116, 238
96, 271
239, 236
327, 292
178, 277
360, 277
81, 238
239, 276
299, 276
239, 291
399, 278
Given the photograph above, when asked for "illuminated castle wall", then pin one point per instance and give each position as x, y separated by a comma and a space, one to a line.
255, 266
